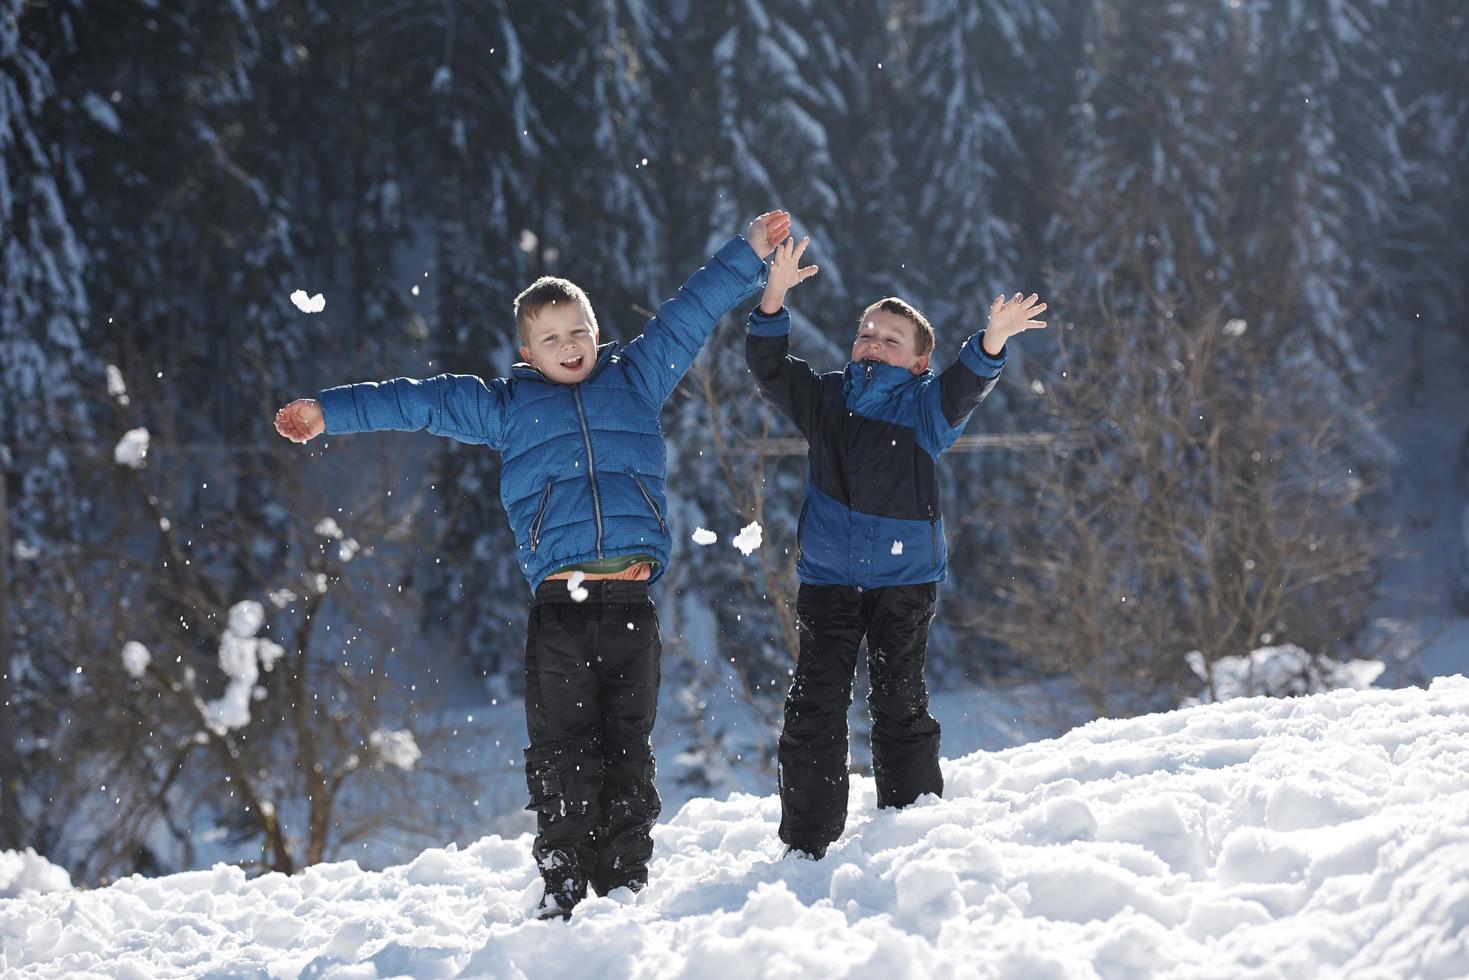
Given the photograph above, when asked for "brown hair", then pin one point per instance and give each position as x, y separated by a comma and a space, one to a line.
902, 308
548, 291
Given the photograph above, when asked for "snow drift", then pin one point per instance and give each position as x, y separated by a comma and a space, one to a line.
1260, 837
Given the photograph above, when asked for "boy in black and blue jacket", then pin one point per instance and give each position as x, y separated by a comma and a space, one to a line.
871, 538
582, 482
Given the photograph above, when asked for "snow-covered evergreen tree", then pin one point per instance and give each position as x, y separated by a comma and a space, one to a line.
972, 102
1194, 497
46, 371
45, 417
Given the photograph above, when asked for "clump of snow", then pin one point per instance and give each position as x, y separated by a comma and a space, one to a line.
1281, 671
1317, 836
116, 387
135, 658
281, 598
246, 618
348, 549
132, 449
328, 527
574, 586
702, 536
308, 304
1235, 327
749, 538
242, 655
394, 748
897, 548
101, 112
23, 872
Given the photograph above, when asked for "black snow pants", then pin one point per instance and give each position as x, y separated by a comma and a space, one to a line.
591, 693
831, 623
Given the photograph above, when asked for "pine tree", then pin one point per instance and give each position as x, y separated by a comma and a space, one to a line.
1190, 514
45, 373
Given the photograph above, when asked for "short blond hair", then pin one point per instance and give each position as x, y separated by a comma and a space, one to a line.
549, 291
892, 304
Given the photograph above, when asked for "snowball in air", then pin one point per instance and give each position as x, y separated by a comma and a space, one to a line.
132, 449
573, 585
749, 538
327, 527
308, 304
135, 658
116, 387
394, 748
702, 536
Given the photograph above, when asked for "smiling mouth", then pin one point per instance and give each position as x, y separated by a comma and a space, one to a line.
574, 364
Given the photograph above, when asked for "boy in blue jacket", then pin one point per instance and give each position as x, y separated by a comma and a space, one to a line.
871, 539
582, 482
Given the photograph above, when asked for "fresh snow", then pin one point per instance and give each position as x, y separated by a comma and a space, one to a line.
1280, 671
26, 871
1260, 837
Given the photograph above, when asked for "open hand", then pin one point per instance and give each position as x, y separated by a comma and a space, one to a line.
300, 421
785, 272
1009, 317
767, 230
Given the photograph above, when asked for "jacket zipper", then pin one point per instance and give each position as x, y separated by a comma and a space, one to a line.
933, 537
649, 498
535, 527
586, 435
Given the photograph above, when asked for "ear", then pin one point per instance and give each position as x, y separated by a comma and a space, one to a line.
921, 365
525, 355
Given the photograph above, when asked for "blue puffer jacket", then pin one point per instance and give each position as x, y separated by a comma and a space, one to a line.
584, 464
871, 516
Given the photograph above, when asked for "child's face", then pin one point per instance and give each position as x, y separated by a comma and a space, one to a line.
562, 345
888, 338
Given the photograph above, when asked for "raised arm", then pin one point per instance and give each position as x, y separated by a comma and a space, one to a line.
948, 402
658, 359
459, 406
786, 382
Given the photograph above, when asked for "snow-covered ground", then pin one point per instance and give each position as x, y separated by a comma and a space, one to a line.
1306, 837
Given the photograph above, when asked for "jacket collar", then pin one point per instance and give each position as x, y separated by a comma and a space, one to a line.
878, 381
606, 354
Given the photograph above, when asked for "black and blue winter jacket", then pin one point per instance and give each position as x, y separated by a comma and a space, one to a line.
583, 465
871, 516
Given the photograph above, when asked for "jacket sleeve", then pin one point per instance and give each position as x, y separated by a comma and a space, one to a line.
948, 402
786, 382
657, 360
456, 405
